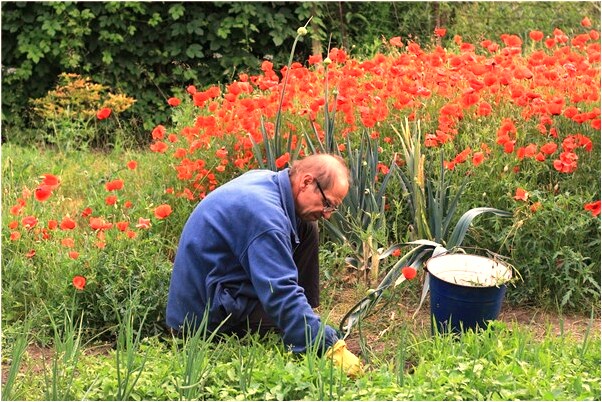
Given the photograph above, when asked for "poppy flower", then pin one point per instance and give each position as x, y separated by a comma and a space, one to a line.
159, 147
122, 225
593, 207
79, 282
29, 222
15, 236
99, 224
50, 180
87, 212
68, 224
13, 225
143, 223
158, 132
111, 200
396, 41
52, 224
103, 113
163, 211
478, 158
535, 207
30, 254
173, 102
585, 22
43, 193
521, 194
409, 272
114, 185
131, 234
132, 165
283, 160
68, 242
536, 35
73, 255
440, 32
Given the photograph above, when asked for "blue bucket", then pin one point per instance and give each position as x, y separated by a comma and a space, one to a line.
466, 291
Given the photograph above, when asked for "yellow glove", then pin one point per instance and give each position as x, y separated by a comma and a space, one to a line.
344, 359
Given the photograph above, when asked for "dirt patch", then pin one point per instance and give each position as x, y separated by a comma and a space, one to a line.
37, 357
537, 321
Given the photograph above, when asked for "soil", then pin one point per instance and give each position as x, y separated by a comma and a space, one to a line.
538, 321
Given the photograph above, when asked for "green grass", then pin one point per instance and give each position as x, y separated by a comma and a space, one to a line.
505, 362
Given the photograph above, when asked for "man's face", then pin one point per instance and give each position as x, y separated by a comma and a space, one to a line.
313, 201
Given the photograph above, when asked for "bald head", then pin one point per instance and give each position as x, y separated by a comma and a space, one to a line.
328, 169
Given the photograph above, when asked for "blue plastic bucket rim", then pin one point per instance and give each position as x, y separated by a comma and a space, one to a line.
469, 270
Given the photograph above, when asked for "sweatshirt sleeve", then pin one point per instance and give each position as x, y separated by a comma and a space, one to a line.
273, 274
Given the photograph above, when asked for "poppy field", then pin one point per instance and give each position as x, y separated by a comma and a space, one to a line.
92, 234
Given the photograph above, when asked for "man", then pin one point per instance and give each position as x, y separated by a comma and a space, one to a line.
249, 253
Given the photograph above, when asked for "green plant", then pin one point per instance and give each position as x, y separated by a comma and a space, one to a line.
67, 343
70, 114
433, 211
19, 346
129, 364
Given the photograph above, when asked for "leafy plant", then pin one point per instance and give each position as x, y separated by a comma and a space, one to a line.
432, 214
70, 113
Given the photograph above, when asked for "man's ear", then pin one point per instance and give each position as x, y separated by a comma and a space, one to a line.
306, 180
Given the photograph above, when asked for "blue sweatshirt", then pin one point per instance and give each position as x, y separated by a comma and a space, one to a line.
236, 250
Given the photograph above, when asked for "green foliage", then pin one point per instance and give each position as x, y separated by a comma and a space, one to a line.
472, 19
68, 118
503, 362
143, 49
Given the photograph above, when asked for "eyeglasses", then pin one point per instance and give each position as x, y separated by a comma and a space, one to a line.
328, 207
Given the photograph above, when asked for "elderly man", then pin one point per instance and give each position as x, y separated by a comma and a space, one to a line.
249, 253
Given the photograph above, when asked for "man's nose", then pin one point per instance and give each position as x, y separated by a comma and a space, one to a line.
327, 214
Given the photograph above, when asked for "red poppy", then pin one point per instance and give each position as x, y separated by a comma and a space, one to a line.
536, 35
13, 225
122, 225
29, 222
68, 242
103, 113
173, 102
283, 160
127, 204
409, 272
549, 148
396, 41
132, 165
143, 223
535, 207
79, 282
51, 180
30, 254
111, 200
131, 234
73, 255
68, 224
159, 132
114, 185
158, 147
15, 236
99, 224
163, 211
521, 195
87, 212
43, 193
52, 224
440, 32
478, 158
593, 207
585, 22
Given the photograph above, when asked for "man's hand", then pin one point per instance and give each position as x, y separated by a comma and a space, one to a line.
344, 359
